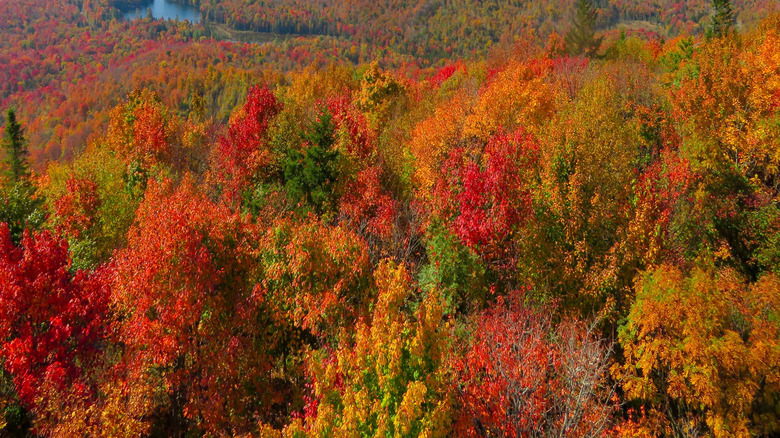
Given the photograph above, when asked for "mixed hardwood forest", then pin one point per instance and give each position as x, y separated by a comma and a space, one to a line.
436, 218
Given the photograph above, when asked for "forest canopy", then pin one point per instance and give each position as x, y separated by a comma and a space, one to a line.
517, 220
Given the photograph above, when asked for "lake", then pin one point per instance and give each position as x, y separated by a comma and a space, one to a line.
166, 10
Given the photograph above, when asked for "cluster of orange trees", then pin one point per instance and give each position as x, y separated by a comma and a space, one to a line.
532, 245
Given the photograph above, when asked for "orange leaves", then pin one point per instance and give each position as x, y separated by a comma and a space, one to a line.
78, 208
729, 106
150, 134
699, 350
519, 95
314, 274
432, 139
186, 308
366, 206
569, 175
143, 130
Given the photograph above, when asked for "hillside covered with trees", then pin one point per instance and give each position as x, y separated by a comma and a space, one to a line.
553, 227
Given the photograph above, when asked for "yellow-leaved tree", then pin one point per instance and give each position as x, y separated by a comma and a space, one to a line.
388, 379
702, 354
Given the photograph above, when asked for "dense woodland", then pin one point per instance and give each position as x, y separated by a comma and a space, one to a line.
542, 226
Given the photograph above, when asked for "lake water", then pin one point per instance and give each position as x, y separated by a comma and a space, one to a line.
166, 10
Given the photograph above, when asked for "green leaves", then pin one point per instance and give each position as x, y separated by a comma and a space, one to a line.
21, 207
15, 148
311, 173
581, 39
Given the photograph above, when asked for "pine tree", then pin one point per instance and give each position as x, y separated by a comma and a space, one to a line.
15, 147
723, 20
581, 38
310, 174
20, 206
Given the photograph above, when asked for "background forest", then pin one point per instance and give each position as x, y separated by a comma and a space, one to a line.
437, 218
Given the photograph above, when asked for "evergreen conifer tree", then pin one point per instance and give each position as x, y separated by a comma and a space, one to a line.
20, 207
15, 147
723, 20
581, 38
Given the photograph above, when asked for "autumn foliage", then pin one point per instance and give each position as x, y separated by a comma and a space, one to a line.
54, 325
522, 376
412, 221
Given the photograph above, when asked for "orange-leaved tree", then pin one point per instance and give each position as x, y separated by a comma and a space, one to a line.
196, 341
702, 354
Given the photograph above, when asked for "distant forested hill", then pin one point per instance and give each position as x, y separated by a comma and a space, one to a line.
443, 27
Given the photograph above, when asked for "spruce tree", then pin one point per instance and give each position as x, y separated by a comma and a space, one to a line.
310, 174
581, 38
20, 206
723, 19
15, 147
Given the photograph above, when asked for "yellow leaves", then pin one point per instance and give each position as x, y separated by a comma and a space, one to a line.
314, 84
410, 409
265, 431
387, 381
379, 91
694, 340
429, 320
432, 138
393, 282
522, 94
437, 424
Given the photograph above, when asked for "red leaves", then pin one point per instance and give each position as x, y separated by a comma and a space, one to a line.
366, 205
243, 151
507, 375
487, 196
446, 72
51, 323
346, 118
522, 376
661, 190
77, 208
